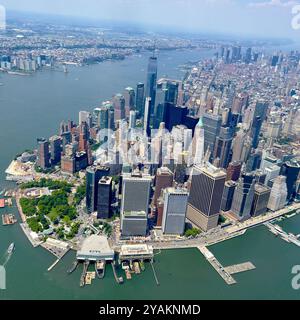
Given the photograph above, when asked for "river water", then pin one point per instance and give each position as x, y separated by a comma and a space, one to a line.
34, 106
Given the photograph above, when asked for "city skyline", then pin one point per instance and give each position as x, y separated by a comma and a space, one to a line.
252, 18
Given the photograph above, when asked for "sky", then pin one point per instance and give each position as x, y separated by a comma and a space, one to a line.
263, 18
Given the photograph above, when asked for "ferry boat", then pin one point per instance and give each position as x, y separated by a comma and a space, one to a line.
100, 268
11, 248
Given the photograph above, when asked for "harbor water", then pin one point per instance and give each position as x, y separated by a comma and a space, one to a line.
34, 106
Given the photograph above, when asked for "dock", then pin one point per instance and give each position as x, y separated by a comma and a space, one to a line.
217, 265
119, 280
154, 272
242, 267
84, 272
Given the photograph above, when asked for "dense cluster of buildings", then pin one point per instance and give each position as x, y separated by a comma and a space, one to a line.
25, 64
223, 141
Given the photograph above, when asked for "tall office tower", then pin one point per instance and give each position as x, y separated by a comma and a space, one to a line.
274, 60
174, 115
234, 171
140, 99
135, 201
205, 198
223, 146
198, 144
227, 196
238, 146
111, 119
261, 199
160, 105
55, 147
278, 194
102, 120
43, 155
118, 102
85, 116
254, 161
271, 172
291, 170
164, 179
151, 82
129, 96
243, 196
66, 139
248, 55
83, 137
136, 192
289, 123
147, 116
174, 214
259, 116
132, 119
212, 125
93, 175
104, 198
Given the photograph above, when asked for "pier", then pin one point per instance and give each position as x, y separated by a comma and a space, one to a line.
217, 265
84, 271
242, 267
154, 272
119, 280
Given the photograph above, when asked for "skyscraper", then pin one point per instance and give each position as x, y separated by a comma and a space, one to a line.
85, 116
118, 102
132, 119
135, 192
259, 116
227, 196
93, 175
198, 144
129, 96
104, 198
164, 179
278, 194
223, 146
261, 199
291, 170
174, 115
205, 196
175, 206
55, 147
83, 136
243, 196
151, 82
140, 99
147, 117
234, 171
43, 156
212, 125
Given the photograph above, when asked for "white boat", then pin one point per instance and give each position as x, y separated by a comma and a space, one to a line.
11, 248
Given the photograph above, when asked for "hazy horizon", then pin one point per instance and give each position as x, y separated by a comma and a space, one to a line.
245, 18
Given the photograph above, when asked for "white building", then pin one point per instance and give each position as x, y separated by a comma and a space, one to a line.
278, 194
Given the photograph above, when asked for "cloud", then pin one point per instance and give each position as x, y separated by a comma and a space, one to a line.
273, 3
